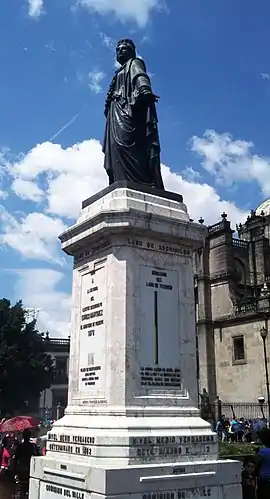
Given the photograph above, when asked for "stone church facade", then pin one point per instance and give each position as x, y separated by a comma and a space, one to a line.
232, 279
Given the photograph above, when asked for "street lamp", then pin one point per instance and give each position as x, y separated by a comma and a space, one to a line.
264, 334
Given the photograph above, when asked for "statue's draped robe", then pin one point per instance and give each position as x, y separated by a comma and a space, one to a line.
131, 144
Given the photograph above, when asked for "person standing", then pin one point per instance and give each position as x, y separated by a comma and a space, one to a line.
7, 484
249, 479
22, 461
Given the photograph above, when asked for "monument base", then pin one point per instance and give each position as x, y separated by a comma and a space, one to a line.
64, 478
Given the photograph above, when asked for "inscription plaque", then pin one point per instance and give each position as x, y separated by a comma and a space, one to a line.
158, 335
93, 332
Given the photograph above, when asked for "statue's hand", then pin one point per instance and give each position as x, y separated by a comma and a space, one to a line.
148, 96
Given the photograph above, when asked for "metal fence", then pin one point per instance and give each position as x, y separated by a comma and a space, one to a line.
252, 411
246, 410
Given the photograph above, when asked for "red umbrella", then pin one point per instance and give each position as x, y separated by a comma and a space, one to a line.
19, 423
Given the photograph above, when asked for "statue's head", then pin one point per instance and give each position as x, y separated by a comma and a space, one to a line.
125, 50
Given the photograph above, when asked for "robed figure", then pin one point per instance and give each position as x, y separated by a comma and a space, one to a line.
131, 144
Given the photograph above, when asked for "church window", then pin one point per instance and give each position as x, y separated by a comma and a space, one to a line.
238, 348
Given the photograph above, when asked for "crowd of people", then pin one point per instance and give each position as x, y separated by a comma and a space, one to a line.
15, 457
239, 430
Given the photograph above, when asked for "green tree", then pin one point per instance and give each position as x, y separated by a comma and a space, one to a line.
25, 367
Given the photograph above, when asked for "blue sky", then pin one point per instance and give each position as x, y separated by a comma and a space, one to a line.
209, 63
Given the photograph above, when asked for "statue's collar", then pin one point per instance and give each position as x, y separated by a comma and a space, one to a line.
127, 63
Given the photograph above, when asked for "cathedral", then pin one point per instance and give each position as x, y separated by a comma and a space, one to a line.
232, 290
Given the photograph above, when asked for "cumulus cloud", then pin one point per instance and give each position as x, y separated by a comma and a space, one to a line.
26, 189
40, 289
76, 173
202, 200
125, 10
232, 160
95, 78
34, 235
72, 174
35, 8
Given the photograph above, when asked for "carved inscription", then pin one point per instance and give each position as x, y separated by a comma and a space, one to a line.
103, 244
175, 446
137, 243
197, 492
196, 439
171, 451
71, 444
75, 439
94, 401
63, 491
157, 282
90, 375
69, 449
160, 377
92, 330
162, 247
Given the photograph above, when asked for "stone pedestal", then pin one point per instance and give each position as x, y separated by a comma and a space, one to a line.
132, 428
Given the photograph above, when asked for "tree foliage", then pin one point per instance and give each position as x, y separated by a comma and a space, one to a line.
25, 367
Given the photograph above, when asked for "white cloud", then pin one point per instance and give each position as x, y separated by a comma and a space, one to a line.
231, 160
95, 78
76, 173
190, 174
35, 8
109, 42
26, 189
265, 76
202, 200
34, 236
73, 174
39, 289
126, 10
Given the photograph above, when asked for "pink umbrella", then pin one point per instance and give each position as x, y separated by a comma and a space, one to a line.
19, 423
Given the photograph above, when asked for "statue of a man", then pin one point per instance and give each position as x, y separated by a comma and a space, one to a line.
131, 144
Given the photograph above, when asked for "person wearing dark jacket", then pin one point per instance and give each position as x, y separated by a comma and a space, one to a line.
249, 479
22, 461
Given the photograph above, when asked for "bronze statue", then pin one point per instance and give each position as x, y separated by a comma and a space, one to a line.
131, 144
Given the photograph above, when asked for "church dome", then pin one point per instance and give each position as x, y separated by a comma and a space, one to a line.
265, 207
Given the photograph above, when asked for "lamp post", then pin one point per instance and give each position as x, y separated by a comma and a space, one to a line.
264, 334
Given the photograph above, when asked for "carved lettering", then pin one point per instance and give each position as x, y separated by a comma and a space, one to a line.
142, 244
197, 492
161, 377
61, 491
